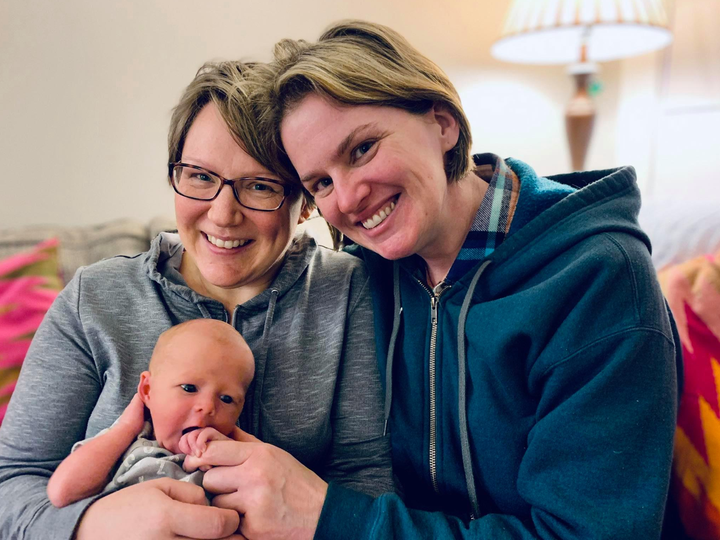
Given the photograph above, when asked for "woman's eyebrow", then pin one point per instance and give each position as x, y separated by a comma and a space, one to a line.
345, 144
341, 148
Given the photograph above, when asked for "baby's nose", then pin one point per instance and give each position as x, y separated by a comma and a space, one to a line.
205, 406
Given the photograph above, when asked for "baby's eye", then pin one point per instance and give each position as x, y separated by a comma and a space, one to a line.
226, 399
189, 388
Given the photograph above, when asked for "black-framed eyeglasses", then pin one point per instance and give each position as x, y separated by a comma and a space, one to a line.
253, 192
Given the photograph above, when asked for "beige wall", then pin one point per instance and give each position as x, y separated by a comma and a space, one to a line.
86, 90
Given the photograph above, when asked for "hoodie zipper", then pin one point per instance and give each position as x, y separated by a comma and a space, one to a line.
434, 308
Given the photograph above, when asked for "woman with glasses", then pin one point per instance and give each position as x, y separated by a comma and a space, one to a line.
304, 311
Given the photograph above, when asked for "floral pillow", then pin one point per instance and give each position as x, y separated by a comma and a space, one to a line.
29, 282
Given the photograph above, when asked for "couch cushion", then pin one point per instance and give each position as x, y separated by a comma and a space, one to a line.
80, 246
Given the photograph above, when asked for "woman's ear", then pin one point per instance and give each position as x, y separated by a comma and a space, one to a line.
305, 211
449, 127
144, 388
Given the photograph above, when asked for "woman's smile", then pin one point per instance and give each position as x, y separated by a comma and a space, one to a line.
379, 217
226, 244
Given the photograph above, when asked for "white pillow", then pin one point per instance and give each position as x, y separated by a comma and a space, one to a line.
680, 229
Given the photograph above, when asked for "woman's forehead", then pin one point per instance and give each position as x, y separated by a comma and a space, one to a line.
210, 144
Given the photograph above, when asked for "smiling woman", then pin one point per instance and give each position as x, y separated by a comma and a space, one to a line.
231, 254
305, 313
520, 327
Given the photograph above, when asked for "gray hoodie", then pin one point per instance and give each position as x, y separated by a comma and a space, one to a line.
316, 391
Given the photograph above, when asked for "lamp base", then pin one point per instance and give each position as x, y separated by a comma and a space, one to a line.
580, 115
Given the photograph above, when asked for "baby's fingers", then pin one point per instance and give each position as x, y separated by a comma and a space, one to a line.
188, 443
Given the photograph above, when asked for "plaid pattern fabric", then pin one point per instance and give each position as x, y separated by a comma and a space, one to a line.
493, 218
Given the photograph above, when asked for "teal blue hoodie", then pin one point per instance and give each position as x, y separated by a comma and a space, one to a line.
538, 398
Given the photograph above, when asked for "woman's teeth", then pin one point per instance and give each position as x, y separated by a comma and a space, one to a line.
227, 244
378, 218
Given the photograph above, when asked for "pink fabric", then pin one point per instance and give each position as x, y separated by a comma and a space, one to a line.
693, 293
29, 283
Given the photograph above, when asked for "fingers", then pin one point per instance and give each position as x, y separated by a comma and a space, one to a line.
204, 522
224, 480
188, 443
191, 463
195, 442
228, 453
134, 414
157, 510
181, 491
206, 435
239, 435
230, 501
192, 517
183, 445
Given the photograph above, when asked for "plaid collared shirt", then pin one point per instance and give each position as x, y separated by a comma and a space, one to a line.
493, 218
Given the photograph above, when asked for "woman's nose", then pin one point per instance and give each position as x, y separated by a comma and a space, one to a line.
225, 210
350, 193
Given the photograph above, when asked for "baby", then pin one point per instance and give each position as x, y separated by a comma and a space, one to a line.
194, 390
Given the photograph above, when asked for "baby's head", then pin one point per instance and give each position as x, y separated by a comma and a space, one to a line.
198, 375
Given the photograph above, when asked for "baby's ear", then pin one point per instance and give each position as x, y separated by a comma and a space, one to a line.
144, 388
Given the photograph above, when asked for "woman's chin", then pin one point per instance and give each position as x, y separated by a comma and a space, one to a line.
389, 249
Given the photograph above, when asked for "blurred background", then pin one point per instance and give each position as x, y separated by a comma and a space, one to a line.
87, 89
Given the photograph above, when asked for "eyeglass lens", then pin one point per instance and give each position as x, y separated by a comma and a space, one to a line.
256, 193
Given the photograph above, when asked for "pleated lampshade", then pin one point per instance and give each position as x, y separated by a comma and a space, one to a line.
554, 31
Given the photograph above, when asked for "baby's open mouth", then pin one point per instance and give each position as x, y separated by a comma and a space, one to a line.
189, 429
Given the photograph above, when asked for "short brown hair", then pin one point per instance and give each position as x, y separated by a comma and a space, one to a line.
363, 63
229, 87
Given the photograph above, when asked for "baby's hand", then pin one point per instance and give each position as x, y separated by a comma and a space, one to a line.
133, 417
193, 445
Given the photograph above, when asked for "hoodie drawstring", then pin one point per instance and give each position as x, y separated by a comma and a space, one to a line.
393, 339
204, 311
462, 377
462, 395
260, 365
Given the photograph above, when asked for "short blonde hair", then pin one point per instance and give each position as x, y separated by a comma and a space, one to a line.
230, 88
362, 63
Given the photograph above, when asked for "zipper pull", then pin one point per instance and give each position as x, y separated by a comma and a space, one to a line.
434, 308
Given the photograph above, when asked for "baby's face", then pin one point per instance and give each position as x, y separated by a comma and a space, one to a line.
198, 384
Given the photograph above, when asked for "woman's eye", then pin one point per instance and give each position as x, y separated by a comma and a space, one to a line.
189, 388
226, 399
202, 177
362, 149
321, 185
259, 187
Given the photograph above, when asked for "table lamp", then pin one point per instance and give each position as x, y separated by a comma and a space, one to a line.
580, 33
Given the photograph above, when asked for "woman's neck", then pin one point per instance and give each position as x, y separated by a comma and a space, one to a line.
229, 297
463, 201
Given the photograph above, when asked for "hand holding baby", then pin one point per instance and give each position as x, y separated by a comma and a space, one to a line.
133, 417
